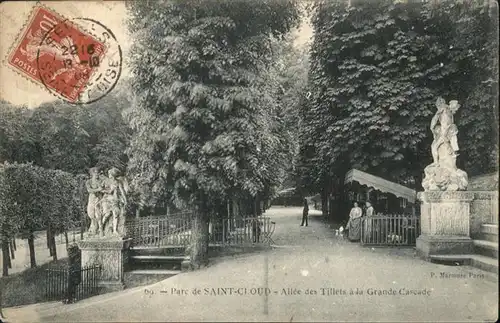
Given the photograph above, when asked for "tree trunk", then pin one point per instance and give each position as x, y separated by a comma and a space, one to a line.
324, 203
9, 260
31, 245
258, 209
11, 247
14, 244
418, 182
5, 258
66, 238
1, 290
495, 67
49, 240
330, 208
199, 240
53, 245
83, 226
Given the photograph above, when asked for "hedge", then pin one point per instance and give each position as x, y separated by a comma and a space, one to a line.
33, 197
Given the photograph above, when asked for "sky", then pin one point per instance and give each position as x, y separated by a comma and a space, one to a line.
14, 15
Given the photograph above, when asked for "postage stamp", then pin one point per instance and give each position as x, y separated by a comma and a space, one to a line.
78, 60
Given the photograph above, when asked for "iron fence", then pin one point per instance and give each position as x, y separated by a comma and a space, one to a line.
241, 231
160, 232
393, 229
69, 286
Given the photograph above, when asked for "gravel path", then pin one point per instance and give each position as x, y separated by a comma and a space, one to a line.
324, 269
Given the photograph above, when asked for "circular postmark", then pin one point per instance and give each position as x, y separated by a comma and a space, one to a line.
79, 60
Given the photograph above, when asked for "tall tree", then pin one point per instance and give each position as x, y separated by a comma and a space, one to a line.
57, 135
377, 68
288, 79
201, 128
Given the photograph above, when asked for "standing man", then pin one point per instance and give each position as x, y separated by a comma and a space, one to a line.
305, 212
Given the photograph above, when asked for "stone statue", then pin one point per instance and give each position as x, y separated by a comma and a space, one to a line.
115, 201
443, 174
94, 186
107, 203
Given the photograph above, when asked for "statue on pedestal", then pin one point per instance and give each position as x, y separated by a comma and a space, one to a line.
443, 174
94, 186
107, 203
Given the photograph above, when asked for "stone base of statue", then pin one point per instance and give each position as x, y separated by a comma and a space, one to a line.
444, 223
438, 178
109, 252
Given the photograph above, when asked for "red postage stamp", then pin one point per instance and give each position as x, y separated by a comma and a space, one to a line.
57, 54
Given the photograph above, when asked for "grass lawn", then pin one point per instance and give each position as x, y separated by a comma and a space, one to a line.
28, 286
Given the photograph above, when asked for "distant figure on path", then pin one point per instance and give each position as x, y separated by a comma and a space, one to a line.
305, 213
354, 223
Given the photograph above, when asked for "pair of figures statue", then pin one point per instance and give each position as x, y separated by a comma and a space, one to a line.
107, 202
443, 174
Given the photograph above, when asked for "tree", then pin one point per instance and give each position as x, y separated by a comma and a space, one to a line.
288, 79
57, 135
17, 143
377, 68
201, 129
74, 139
8, 225
33, 198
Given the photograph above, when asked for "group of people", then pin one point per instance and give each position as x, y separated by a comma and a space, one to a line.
353, 226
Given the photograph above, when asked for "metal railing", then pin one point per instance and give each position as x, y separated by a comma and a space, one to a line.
157, 232
68, 285
242, 231
393, 229
160, 231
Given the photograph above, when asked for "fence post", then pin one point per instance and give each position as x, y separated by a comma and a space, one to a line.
223, 232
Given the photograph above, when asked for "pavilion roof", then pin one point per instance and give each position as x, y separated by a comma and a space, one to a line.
383, 185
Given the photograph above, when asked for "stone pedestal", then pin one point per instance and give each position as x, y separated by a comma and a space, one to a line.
186, 265
111, 253
444, 222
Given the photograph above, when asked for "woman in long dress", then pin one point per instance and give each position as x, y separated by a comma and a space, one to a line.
354, 223
371, 226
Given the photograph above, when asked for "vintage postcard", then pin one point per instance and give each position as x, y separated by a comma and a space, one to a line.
249, 160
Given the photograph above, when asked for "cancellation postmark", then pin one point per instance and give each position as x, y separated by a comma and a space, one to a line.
78, 60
